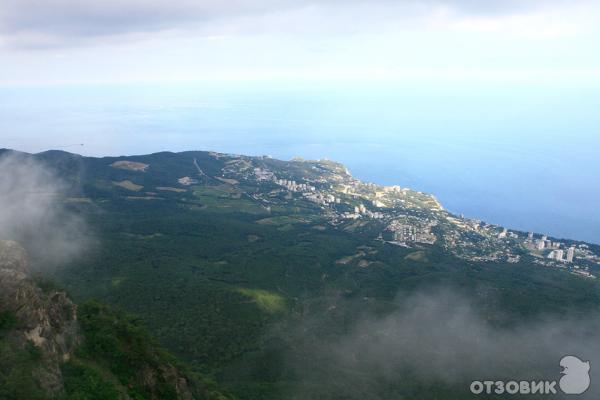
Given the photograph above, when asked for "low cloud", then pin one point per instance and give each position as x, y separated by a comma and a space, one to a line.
438, 339
33, 212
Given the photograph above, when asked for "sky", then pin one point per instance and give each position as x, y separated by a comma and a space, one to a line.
114, 41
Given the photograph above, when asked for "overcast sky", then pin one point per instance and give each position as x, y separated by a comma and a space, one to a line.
56, 41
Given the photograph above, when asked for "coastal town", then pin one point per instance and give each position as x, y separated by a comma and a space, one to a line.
400, 216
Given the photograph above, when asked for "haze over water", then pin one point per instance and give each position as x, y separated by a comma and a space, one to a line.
523, 156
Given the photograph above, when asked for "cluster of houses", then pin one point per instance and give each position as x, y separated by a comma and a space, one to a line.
404, 232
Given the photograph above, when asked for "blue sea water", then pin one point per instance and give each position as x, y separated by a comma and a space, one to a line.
523, 156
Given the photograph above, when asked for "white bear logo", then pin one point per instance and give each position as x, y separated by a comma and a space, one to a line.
576, 379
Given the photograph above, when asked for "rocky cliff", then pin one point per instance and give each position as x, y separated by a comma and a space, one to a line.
44, 322
50, 350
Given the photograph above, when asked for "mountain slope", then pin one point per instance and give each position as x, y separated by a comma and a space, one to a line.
39, 330
51, 350
244, 266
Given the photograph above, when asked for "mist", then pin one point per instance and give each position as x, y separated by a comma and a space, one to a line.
33, 212
438, 339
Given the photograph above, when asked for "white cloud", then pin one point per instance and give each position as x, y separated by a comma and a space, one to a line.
184, 40
547, 24
32, 212
37, 23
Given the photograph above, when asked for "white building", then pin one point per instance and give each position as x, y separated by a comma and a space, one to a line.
558, 255
570, 254
378, 204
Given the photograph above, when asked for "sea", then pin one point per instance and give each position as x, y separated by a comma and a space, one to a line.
525, 156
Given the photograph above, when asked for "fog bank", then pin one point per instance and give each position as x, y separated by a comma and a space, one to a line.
439, 339
33, 212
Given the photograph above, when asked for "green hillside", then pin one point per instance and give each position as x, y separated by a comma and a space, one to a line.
239, 265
